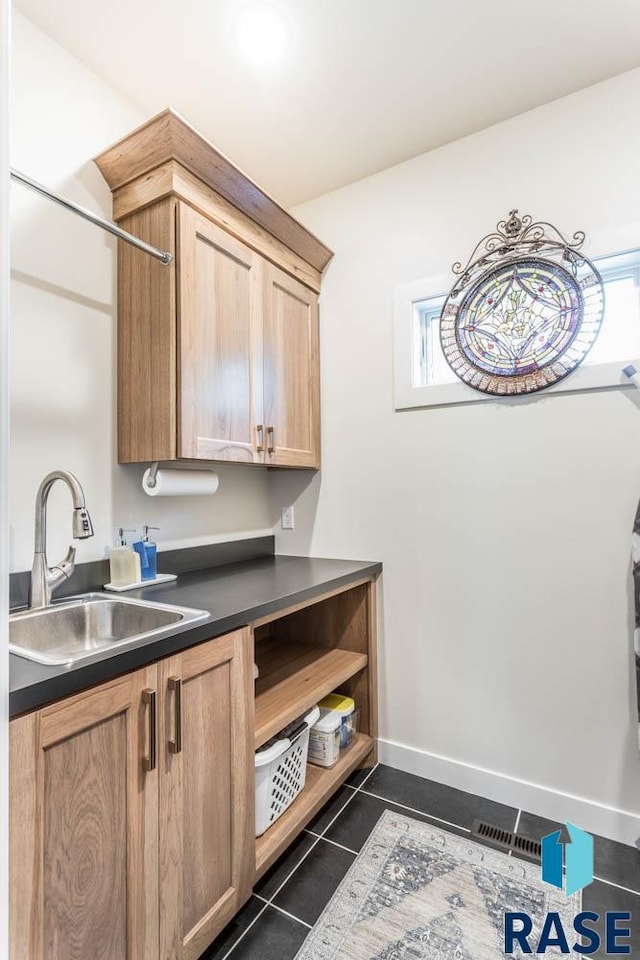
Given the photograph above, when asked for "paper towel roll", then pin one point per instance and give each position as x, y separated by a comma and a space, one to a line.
181, 483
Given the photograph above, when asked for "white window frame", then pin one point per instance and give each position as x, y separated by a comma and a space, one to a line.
408, 305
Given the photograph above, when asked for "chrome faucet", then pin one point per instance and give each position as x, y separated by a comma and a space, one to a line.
45, 579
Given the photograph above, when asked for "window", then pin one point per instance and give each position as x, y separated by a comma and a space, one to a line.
424, 378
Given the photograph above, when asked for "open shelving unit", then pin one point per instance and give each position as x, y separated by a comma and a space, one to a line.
327, 645
293, 677
321, 783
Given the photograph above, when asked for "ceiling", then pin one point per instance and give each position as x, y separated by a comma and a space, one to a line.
361, 85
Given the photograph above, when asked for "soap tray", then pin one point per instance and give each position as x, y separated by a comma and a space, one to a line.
161, 578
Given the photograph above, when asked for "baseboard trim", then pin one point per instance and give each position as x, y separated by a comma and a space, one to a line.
621, 825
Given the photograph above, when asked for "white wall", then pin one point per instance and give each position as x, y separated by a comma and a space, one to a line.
4, 472
63, 322
504, 527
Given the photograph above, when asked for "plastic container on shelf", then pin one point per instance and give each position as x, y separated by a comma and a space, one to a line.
346, 709
281, 768
324, 739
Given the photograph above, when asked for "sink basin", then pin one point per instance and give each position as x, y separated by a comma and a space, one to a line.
89, 625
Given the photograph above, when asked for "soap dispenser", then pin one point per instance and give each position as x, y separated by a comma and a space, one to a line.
124, 563
147, 551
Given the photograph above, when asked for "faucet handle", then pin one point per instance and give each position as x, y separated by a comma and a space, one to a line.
67, 565
54, 576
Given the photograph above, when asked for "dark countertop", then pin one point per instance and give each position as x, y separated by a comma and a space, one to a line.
235, 595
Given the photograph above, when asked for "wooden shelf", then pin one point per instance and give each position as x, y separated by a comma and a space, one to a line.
321, 783
293, 677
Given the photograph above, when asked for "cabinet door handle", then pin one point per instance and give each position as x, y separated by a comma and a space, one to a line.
260, 436
271, 443
149, 698
175, 744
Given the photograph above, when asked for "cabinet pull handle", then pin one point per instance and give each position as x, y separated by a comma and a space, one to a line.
260, 435
175, 744
149, 697
270, 440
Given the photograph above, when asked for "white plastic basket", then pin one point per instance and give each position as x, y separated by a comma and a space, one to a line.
281, 770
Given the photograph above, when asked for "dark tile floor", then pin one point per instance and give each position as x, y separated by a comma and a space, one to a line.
291, 896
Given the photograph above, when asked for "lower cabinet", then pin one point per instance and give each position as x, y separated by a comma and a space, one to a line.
207, 798
131, 811
132, 805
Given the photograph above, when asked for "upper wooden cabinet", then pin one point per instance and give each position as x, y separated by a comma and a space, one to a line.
217, 353
220, 342
290, 371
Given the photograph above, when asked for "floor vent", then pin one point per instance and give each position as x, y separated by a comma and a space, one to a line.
506, 839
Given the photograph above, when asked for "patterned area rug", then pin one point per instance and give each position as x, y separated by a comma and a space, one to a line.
419, 893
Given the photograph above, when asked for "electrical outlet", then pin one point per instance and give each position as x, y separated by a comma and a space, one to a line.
288, 518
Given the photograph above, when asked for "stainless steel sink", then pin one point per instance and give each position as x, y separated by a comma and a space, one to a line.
89, 625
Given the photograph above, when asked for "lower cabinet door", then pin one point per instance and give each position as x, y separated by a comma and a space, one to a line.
83, 837
207, 843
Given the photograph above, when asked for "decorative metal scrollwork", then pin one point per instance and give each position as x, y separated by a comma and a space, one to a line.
525, 309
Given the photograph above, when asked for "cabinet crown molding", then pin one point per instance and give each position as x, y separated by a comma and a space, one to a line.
168, 136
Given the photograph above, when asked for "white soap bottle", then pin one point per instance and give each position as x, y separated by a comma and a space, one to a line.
124, 563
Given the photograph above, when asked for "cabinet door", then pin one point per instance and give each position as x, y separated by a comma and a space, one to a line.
291, 372
207, 842
83, 838
220, 329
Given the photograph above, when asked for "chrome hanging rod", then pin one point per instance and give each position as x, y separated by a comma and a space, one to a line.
162, 255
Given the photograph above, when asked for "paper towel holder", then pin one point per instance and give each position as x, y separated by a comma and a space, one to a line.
153, 470
152, 479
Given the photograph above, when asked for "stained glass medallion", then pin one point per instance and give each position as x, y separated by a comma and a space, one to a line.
525, 311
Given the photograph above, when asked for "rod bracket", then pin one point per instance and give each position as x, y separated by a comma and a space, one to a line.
153, 470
